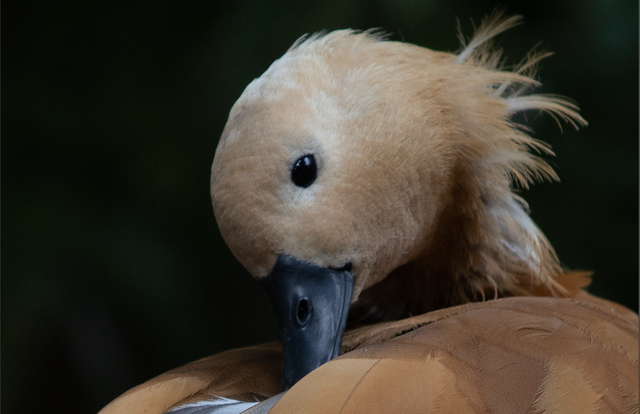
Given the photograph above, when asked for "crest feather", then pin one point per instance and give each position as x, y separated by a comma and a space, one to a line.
506, 156
478, 52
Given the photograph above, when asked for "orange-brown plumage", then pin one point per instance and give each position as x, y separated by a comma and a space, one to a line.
413, 203
521, 354
515, 355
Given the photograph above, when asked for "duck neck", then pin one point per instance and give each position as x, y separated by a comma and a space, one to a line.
484, 246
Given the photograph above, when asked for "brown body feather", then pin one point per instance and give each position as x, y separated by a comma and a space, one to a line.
514, 355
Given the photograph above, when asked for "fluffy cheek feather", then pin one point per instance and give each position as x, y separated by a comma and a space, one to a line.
243, 191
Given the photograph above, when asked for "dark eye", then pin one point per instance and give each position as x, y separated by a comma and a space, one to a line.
304, 171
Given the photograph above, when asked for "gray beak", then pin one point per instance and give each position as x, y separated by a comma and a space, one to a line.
311, 304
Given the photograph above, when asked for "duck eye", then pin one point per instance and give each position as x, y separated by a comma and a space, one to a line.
304, 171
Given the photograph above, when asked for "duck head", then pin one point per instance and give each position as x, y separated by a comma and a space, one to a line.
377, 174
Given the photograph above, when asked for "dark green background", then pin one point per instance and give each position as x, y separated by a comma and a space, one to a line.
113, 268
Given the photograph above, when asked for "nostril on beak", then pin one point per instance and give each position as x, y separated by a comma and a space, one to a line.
303, 312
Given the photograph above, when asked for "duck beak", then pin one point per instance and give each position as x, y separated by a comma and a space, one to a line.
311, 304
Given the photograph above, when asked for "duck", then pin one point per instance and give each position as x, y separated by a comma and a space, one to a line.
372, 188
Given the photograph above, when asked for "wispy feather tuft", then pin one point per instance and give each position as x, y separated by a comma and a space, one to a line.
478, 52
511, 153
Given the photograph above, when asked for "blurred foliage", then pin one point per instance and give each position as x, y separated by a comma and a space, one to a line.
114, 270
